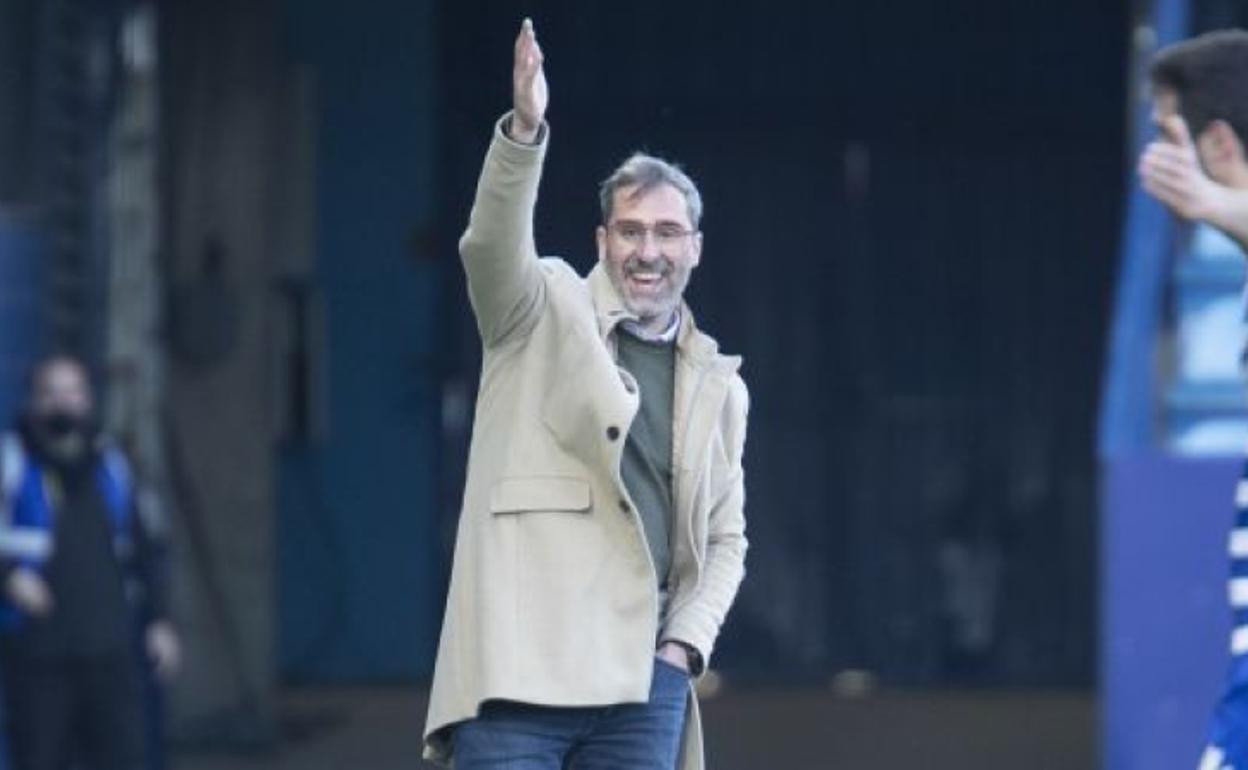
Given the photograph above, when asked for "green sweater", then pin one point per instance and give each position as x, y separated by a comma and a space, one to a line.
646, 466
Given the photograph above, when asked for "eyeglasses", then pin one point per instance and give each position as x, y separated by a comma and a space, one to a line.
670, 237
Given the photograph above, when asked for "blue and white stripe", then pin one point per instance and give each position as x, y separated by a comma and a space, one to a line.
1227, 747
24, 544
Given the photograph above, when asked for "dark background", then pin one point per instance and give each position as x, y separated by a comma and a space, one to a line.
913, 216
912, 213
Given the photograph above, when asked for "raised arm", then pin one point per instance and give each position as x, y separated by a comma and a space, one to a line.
499, 256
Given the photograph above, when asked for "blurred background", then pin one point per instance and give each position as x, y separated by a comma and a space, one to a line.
996, 405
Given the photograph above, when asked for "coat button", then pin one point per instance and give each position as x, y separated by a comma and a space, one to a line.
624, 506
613, 433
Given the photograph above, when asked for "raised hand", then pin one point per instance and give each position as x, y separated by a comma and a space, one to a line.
529, 92
1170, 171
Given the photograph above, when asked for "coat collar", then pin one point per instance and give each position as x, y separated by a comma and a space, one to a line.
699, 348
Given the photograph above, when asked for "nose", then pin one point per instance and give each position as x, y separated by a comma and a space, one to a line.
649, 249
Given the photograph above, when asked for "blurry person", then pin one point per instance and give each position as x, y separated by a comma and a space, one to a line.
78, 569
602, 535
1198, 89
1198, 168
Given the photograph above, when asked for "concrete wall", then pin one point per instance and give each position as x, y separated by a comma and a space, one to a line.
232, 109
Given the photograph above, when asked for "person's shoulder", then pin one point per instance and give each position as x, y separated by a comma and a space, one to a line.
728, 366
563, 279
557, 267
707, 347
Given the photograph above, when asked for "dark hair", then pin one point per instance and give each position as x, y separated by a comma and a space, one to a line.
1209, 74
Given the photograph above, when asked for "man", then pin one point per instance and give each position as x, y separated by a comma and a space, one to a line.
78, 570
1200, 84
1203, 84
601, 540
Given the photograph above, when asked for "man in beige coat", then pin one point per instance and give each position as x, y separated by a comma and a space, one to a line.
602, 536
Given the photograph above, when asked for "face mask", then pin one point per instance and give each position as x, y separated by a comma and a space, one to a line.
58, 425
63, 437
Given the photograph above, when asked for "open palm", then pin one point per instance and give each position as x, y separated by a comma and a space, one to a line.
529, 92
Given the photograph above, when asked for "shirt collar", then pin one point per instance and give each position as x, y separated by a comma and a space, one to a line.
667, 336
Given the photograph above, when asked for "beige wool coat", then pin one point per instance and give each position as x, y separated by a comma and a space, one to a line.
553, 597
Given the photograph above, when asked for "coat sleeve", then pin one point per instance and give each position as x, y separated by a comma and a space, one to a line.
505, 284
698, 621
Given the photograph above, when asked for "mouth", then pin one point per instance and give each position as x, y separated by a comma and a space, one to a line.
646, 279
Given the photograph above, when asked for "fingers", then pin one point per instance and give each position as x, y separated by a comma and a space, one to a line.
529, 90
1165, 191
528, 52
1168, 159
524, 39
1175, 129
1175, 202
1165, 152
536, 58
1175, 193
1164, 167
1159, 170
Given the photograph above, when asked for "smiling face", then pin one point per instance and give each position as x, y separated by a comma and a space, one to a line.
649, 247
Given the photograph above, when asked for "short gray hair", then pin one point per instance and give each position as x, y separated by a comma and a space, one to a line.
647, 172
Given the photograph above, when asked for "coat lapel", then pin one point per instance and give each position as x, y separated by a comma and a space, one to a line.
702, 381
607, 303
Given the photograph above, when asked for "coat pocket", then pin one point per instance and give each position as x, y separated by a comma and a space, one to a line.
540, 493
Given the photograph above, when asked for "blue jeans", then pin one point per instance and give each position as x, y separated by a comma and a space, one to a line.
628, 736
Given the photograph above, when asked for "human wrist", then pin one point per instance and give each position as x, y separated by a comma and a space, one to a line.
1227, 210
522, 131
692, 657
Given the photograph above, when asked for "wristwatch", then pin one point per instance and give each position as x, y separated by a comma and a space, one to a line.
696, 664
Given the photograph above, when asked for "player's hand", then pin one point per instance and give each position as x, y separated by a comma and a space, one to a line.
529, 92
1170, 171
29, 592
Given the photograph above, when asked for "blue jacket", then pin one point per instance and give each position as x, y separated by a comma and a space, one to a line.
28, 516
